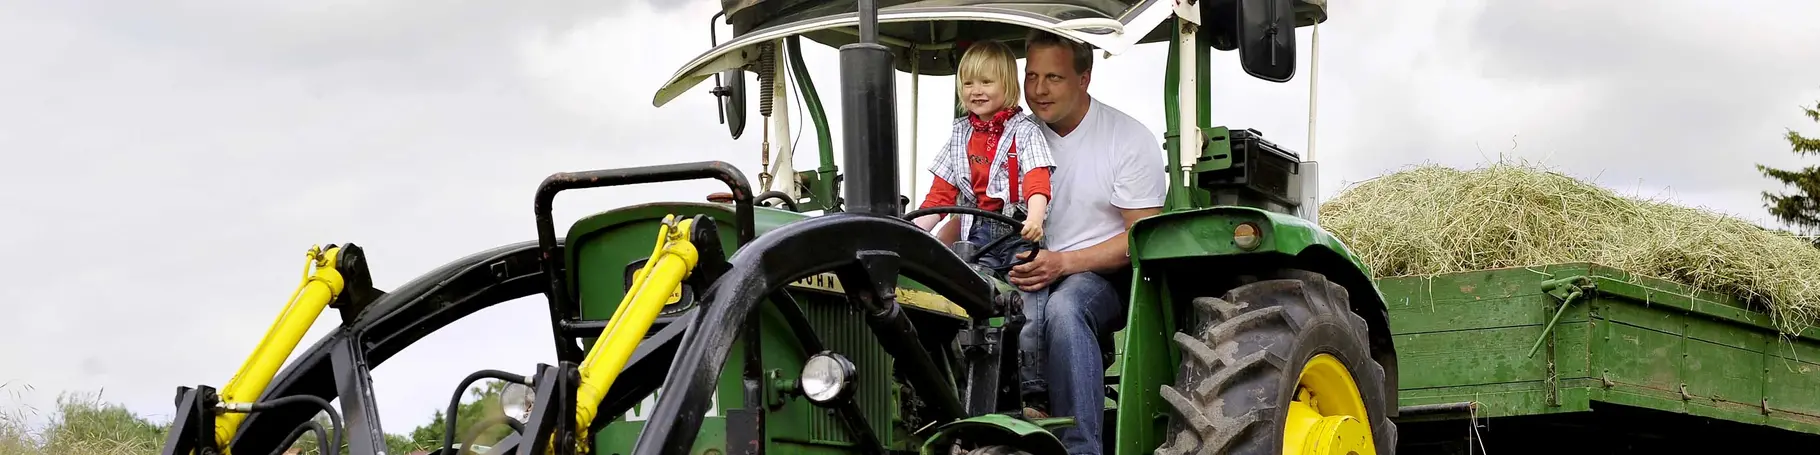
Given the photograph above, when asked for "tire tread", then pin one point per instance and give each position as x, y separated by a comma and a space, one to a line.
1238, 350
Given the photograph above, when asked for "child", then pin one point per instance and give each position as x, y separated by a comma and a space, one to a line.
996, 158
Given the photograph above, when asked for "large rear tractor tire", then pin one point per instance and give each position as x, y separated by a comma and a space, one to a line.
1278, 366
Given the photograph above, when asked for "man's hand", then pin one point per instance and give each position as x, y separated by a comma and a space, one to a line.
1037, 274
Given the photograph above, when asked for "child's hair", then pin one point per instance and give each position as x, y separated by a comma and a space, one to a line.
993, 60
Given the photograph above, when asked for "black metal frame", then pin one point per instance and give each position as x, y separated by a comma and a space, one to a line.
337, 365
563, 309
868, 252
991, 353
193, 428
554, 410
354, 385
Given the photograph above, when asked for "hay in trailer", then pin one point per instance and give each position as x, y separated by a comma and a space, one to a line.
1433, 219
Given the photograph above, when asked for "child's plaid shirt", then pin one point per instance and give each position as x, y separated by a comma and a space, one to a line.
1023, 137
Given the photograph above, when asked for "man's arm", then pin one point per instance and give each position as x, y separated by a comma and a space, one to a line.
1108, 256
1138, 184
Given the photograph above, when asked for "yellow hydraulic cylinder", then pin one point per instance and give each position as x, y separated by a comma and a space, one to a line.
318, 289
652, 287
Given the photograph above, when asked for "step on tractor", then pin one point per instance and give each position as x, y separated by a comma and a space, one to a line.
810, 316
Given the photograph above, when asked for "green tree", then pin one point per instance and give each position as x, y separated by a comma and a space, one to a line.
1801, 209
482, 404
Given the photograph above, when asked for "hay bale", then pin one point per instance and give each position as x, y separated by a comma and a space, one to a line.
1433, 220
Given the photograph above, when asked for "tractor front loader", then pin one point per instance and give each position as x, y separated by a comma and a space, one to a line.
750, 324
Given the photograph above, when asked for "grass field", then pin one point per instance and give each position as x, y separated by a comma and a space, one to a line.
83, 424
80, 424
86, 424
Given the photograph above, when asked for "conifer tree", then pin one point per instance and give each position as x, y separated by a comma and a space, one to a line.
1801, 209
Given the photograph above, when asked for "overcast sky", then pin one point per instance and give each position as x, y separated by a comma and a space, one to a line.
168, 162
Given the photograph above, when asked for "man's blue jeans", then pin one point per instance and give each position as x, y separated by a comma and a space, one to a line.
1059, 345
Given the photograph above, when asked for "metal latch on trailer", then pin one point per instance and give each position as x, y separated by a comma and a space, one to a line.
1568, 290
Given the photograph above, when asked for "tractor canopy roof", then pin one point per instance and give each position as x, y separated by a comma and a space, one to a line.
929, 30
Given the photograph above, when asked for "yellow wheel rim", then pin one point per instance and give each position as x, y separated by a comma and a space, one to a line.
1328, 414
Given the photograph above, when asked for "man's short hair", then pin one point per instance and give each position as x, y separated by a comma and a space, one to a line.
1083, 54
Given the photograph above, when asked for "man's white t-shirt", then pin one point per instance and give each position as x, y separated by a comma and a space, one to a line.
1109, 162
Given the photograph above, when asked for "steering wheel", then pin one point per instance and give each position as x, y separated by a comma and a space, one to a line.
1017, 228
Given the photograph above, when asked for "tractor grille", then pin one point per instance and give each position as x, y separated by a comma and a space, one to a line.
844, 331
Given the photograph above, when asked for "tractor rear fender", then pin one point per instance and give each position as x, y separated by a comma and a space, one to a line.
1205, 239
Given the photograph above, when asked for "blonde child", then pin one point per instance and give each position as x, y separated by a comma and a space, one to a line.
996, 157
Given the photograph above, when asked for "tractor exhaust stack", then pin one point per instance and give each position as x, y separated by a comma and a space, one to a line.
869, 115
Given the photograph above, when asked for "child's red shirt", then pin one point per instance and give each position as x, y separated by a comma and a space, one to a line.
982, 147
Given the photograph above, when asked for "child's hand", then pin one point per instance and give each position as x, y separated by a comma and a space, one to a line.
1039, 210
1033, 230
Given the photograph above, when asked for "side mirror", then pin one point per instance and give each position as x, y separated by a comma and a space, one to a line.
730, 87
1266, 38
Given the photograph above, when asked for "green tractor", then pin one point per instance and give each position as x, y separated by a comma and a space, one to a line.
809, 316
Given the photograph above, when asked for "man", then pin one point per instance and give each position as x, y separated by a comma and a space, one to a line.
1109, 173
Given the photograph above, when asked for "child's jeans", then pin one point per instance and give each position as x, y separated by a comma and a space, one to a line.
1000, 257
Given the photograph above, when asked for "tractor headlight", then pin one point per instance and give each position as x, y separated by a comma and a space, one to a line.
827, 378
1246, 236
516, 401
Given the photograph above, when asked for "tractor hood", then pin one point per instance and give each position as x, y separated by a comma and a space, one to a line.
930, 29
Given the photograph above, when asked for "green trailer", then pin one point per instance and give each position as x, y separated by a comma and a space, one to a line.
1585, 357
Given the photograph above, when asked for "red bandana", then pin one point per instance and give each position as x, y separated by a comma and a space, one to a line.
995, 128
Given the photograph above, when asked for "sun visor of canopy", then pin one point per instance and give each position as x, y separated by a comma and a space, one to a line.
933, 26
